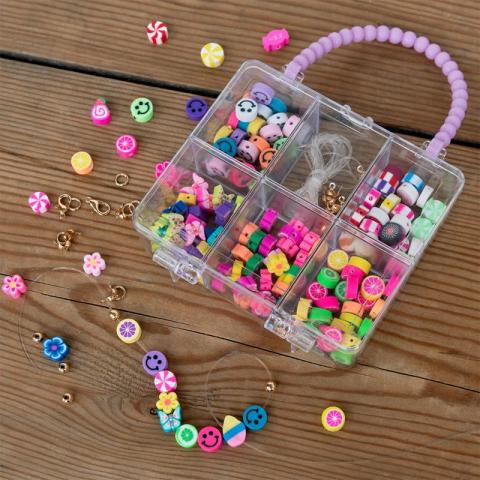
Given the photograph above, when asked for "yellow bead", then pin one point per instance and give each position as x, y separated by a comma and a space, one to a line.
212, 55
203, 247
188, 198
355, 320
337, 259
255, 125
303, 307
333, 419
342, 325
360, 263
350, 341
82, 163
287, 278
237, 269
129, 330
223, 132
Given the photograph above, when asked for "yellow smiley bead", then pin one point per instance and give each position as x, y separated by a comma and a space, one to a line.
129, 330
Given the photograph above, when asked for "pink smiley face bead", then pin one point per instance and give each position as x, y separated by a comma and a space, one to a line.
100, 113
210, 439
165, 381
248, 151
39, 203
126, 146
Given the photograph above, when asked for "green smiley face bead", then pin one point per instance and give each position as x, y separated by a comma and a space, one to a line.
186, 435
142, 110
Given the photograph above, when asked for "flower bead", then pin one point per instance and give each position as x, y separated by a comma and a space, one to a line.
55, 349
14, 286
160, 167
93, 264
277, 263
167, 402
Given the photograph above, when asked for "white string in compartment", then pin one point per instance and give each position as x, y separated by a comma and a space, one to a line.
327, 155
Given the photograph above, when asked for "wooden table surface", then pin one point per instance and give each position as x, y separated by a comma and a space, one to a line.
412, 401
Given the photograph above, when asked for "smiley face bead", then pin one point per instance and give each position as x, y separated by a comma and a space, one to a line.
154, 362
196, 108
210, 439
246, 110
255, 417
142, 110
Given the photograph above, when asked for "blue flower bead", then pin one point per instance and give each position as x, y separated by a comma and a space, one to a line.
55, 349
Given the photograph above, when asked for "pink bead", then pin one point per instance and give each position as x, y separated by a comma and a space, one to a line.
290, 125
421, 44
14, 286
370, 33
100, 113
160, 167
268, 219
233, 120
441, 59
347, 36
39, 202
453, 120
326, 43
266, 245
396, 35
408, 39
310, 54
248, 151
432, 51
455, 75
126, 146
301, 258
318, 49
271, 132
302, 61
449, 67
457, 112
449, 129
383, 32
275, 39
266, 282
336, 39
459, 85
358, 34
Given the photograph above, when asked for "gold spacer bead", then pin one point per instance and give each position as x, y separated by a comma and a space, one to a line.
37, 337
63, 367
67, 398
270, 387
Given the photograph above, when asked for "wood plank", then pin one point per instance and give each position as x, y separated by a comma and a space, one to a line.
430, 331
397, 426
385, 82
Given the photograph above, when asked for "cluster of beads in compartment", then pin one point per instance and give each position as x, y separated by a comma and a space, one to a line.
169, 412
343, 302
267, 263
197, 217
400, 213
258, 127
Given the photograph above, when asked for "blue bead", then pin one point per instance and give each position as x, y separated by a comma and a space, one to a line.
278, 106
226, 145
243, 125
179, 207
255, 417
213, 236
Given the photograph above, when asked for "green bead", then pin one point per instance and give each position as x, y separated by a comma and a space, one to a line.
279, 143
433, 210
186, 435
328, 277
422, 228
255, 239
293, 270
343, 358
142, 110
340, 290
364, 327
254, 262
320, 316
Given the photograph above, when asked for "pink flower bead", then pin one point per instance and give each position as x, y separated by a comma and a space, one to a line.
93, 264
14, 286
160, 167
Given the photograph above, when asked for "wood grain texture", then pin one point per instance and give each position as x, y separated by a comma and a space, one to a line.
396, 87
412, 403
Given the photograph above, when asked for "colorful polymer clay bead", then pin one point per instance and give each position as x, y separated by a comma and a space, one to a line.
425, 194
170, 422
39, 203
212, 55
262, 93
391, 234
100, 113
255, 417
234, 432
333, 419
433, 210
142, 110
14, 286
209, 439
126, 146
196, 108
422, 228
246, 110
186, 435
154, 362
55, 349
165, 381
408, 193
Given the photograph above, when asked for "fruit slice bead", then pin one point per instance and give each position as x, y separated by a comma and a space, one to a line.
337, 259
372, 287
328, 278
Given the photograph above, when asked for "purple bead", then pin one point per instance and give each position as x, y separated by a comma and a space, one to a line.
154, 362
192, 250
222, 213
196, 108
238, 135
196, 211
262, 93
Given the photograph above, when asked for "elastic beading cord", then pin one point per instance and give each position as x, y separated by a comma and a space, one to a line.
409, 39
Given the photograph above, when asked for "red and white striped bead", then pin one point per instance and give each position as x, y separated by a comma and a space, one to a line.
157, 32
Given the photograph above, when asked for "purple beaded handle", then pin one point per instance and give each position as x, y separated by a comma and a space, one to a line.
408, 39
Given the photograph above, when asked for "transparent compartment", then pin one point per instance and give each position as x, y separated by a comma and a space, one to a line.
298, 99
280, 245
209, 187
330, 306
340, 151
443, 182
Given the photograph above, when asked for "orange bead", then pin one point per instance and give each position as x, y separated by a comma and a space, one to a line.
353, 307
260, 142
247, 231
240, 252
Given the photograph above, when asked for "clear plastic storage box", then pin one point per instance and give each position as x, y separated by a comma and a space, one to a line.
249, 193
